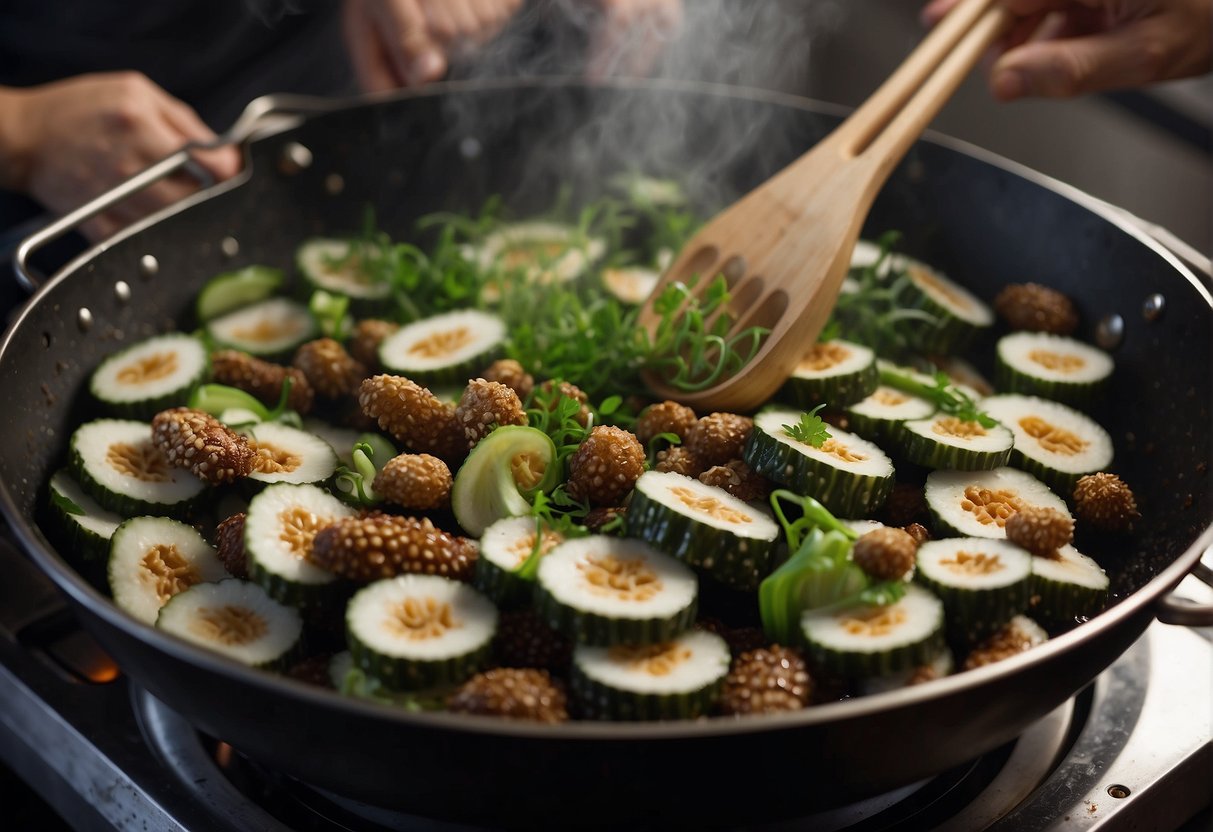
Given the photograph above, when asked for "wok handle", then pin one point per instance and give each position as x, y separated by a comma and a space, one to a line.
1171, 609
264, 114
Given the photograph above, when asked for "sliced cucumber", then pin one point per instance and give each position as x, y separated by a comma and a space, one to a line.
862, 640
235, 618
504, 468
1053, 366
86, 526
959, 314
983, 583
278, 530
1070, 588
1021, 633
849, 476
877, 417
836, 373
912, 381
942, 665
606, 590
419, 631
330, 265
120, 467
268, 329
676, 679
505, 546
979, 503
287, 454
150, 376
1054, 442
341, 440
535, 252
444, 349
234, 290
631, 284
153, 559
946, 441
704, 526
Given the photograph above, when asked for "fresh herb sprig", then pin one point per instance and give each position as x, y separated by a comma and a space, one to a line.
811, 429
942, 392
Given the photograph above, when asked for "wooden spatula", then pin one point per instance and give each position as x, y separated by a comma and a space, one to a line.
785, 247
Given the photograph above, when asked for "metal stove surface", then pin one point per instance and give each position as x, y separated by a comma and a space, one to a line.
1132, 751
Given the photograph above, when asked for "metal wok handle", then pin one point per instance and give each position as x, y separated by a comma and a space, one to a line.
1173, 609
269, 113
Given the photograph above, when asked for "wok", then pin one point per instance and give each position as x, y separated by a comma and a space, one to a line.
984, 220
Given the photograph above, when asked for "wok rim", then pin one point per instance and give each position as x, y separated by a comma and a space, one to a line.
80, 592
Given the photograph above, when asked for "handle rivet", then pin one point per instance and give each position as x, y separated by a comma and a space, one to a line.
122, 291
334, 184
1110, 332
1118, 791
84, 319
148, 265
230, 246
1153, 307
295, 157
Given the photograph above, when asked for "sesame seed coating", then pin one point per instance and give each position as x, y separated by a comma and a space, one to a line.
485, 405
512, 693
569, 391
1040, 530
261, 379
513, 375
719, 437
415, 481
1105, 503
412, 415
1036, 308
679, 460
229, 543
198, 441
364, 341
664, 417
605, 466
886, 553
332, 371
378, 545
738, 479
766, 680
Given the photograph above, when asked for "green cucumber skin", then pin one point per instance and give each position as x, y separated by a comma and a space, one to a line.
595, 700
833, 391
603, 631
130, 506
872, 428
454, 375
1086, 396
924, 451
737, 562
950, 335
974, 614
399, 673
1061, 482
855, 665
1056, 602
503, 587
312, 599
842, 492
89, 545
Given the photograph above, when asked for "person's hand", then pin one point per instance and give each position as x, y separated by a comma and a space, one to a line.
65, 142
406, 43
631, 35
1062, 48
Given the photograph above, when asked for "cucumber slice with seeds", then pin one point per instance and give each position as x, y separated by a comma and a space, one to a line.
419, 631
267, 329
341, 440
606, 590
505, 546
537, 252
287, 454
877, 417
1054, 442
495, 479
983, 583
234, 290
328, 264
278, 530
704, 526
863, 640
958, 312
848, 475
837, 373
1052, 366
1069, 588
152, 559
89, 531
944, 664
150, 376
979, 503
945, 441
235, 618
444, 349
632, 284
118, 465
676, 679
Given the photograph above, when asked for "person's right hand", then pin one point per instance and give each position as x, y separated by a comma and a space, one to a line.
1062, 48
65, 142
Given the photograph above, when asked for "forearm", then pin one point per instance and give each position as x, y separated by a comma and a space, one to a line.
14, 146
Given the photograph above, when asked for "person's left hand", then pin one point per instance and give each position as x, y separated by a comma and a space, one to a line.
631, 35
405, 43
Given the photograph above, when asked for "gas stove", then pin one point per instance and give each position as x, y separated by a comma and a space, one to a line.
1131, 751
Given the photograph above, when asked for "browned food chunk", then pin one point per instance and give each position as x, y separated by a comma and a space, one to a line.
229, 543
368, 334
525, 640
198, 441
332, 371
1105, 503
886, 553
719, 437
485, 405
604, 468
512, 693
664, 417
413, 416
261, 379
378, 545
513, 375
766, 680
415, 481
1040, 530
738, 479
1036, 308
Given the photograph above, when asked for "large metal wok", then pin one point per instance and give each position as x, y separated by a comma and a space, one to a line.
983, 220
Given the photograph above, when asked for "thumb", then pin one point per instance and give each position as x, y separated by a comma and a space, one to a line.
413, 55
